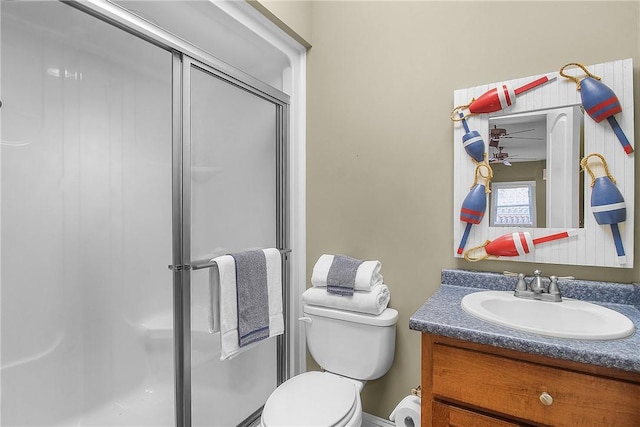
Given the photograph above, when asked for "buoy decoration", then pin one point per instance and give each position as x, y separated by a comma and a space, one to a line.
472, 211
475, 204
472, 142
498, 98
599, 101
513, 244
607, 203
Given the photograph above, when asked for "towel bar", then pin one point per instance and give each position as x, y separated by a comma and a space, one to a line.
207, 263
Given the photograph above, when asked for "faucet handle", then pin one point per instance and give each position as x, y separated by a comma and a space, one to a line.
554, 290
522, 284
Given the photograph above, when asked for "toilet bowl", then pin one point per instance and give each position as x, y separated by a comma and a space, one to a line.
314, 399
352, 348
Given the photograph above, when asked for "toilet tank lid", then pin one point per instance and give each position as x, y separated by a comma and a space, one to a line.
387, 318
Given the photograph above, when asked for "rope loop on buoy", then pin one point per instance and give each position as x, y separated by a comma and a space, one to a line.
468, 257
584, 164
456, 113
483, 162
575, 78
488, 177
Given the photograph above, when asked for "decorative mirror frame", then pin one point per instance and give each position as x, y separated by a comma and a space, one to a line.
593, 244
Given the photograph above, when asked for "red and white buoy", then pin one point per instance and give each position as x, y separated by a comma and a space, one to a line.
515, 244
499, 98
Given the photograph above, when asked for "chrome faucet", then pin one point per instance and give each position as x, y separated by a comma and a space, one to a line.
537, 288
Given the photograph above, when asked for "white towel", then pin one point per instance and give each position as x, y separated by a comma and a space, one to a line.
228, 310
214, 301
371, 302
367, 276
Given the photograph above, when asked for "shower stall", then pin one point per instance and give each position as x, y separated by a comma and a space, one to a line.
133, 145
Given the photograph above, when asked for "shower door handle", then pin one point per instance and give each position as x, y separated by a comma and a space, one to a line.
179, 267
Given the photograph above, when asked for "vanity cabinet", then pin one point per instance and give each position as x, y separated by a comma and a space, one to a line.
476, 385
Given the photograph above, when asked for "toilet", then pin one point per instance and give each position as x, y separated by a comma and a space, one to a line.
351, 348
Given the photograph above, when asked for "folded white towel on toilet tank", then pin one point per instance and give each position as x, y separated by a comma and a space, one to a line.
373, 301
367, 275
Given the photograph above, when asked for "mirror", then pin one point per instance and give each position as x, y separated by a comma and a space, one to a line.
545, 175
534, 147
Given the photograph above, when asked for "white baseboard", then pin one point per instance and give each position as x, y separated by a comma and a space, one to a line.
369, 420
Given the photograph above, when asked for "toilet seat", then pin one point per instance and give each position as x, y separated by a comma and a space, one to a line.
312, 399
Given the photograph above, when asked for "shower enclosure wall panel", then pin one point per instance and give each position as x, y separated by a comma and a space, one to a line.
86, 219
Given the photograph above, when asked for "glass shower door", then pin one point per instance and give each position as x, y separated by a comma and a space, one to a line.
233, 162
94, 203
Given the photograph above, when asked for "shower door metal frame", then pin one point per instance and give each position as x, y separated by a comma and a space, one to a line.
184, 54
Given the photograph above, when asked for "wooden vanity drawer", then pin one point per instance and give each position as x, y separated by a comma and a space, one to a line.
513, 387
448, 416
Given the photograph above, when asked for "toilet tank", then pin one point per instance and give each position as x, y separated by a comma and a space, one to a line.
354, 345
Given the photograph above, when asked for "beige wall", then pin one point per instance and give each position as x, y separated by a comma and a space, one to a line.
381, 77
294, 17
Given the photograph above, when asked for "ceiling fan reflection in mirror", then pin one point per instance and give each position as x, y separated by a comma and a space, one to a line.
500, 157
496, 134
519, 142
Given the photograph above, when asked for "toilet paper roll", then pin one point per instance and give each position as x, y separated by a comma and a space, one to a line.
407, 412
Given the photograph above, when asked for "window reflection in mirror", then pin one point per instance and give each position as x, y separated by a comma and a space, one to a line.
513, 204
542, 148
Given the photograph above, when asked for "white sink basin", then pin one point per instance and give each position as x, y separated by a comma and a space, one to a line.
567, 319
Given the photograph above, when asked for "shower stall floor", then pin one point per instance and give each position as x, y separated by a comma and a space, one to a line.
149, 406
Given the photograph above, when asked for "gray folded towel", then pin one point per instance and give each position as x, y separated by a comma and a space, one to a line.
341, 277
253, 296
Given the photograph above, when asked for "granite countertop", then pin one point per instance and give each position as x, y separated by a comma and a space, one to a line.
442, 315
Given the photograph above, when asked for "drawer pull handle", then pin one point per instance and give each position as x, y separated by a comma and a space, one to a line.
546, 399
